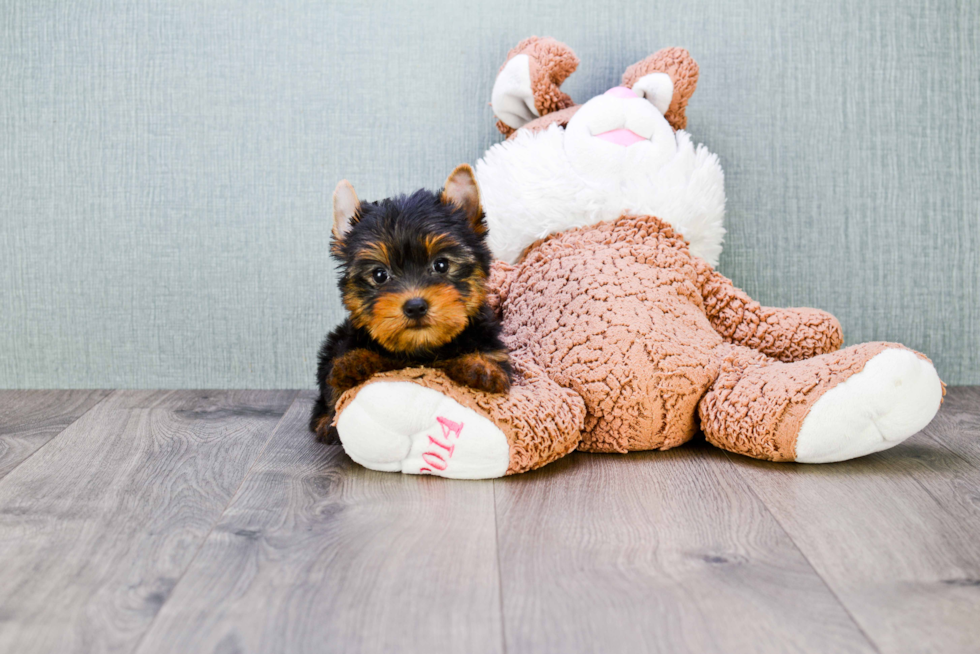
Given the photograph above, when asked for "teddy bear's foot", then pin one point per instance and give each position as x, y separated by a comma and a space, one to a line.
832, 407
417, 420
400, 426
894, 396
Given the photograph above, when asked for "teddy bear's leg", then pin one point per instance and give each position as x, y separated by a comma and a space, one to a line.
417, 421
832, 407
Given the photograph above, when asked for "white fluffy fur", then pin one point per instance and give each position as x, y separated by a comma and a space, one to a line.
530, 188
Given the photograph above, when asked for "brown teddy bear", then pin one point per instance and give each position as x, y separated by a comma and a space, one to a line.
607, 221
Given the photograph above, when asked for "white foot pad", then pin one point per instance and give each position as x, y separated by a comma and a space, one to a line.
404, 427
894, 396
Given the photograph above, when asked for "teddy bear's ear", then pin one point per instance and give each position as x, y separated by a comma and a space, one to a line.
345, 208
650, 78
527, 84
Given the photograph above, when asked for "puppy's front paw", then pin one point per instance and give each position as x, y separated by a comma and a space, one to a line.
325, 432
354, 368
480, 371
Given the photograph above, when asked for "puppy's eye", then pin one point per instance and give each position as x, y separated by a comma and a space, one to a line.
441, 266
379, 275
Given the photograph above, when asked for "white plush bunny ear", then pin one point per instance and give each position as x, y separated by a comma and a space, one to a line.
681, 71
657, 88
527, 85
512, 98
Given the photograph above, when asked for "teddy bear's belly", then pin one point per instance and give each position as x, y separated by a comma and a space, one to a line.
633, 341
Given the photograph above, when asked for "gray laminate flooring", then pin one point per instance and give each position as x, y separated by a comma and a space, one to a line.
210, 521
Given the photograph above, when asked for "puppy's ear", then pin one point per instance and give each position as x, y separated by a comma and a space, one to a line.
462, 191
345, 208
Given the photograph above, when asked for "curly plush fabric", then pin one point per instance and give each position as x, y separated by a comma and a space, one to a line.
623, 340
785, 334
756, 405
591, 304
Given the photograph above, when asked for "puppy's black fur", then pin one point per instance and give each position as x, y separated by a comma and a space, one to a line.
395, 256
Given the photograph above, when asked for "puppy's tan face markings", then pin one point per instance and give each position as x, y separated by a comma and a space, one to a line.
446, 277
445, 318
375, 253
370, 260
436, 243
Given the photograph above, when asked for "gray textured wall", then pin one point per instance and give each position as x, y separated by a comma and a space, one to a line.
165, 169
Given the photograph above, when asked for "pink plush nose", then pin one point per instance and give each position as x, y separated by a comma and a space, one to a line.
620, 92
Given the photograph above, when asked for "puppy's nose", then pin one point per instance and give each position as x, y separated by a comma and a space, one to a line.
415, 308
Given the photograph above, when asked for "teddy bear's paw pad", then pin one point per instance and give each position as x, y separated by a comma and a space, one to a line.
894, 396
405, 427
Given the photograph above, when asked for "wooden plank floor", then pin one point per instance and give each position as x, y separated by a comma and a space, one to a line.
209, 521
29, 419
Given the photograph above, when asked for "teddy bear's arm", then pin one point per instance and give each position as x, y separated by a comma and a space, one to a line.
784, 334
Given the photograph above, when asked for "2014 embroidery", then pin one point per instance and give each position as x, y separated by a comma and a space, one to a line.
440, 451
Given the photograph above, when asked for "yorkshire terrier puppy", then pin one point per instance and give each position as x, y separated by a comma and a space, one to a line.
414, 270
